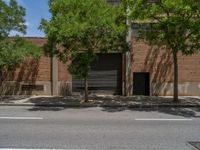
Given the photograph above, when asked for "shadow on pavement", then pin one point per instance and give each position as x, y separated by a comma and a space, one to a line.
40, 108
12, 98
54, 100
184, 112
47, 108
61, 103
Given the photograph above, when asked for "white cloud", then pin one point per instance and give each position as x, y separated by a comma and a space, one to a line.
27, 23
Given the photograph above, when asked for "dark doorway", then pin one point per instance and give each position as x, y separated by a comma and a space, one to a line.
105, 76
141, 83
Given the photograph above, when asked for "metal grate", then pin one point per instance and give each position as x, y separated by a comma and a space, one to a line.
32, 87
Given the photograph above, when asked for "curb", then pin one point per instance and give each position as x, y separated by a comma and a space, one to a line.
104, 105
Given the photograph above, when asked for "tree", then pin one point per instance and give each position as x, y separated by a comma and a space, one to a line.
173, 24
11, 18
82, 29
13, 51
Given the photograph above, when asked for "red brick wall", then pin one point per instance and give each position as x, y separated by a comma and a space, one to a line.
158, 61
63, 74
189, 68
32, 70
37, 40
43, 66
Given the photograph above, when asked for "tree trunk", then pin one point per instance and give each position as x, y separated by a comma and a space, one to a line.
175, 77
86, 90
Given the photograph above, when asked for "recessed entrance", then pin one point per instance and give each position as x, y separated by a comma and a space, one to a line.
141, 83
105, 76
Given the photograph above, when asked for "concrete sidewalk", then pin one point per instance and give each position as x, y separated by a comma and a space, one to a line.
99, 101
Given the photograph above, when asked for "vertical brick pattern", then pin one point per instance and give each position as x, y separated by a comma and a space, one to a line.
158, 61
43, 68
44, 64
63, 74
32, 70
189, 68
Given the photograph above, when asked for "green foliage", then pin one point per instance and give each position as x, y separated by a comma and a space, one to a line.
81, 64
13, 51
85, 27
175, 24
11, 18
172, 23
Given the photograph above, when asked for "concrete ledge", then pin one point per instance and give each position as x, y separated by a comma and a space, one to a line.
101, 105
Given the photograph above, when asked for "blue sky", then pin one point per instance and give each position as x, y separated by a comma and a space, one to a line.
35, 10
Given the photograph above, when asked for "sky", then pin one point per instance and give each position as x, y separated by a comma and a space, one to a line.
35, 11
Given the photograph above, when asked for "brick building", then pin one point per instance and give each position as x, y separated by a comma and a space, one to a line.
145, 70
154, 66
151, 74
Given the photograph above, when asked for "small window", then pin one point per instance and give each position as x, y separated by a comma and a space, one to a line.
32, 87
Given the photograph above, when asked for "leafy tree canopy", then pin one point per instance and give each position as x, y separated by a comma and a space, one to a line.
84, 25
81, 29
11, 18
13, 51
173, 23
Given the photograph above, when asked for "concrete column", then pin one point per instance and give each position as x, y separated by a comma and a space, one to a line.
54, 74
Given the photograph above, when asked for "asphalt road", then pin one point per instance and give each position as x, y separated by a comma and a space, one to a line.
98, 128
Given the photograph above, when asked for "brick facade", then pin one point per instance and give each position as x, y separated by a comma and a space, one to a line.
30, 73
157, 61
32, 70
63, 74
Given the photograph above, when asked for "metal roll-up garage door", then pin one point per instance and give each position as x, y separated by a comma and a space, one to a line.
105, 76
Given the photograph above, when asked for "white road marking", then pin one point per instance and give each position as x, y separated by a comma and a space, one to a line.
38, 149
22, 118
160, 119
